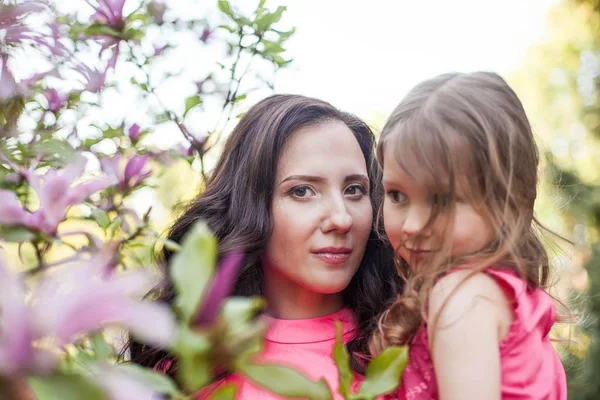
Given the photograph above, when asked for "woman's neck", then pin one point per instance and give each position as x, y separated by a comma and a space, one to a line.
288, 300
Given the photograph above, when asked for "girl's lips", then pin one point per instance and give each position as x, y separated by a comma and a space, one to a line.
332, 258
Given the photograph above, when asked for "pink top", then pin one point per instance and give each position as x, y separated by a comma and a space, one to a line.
531, 368
306, 345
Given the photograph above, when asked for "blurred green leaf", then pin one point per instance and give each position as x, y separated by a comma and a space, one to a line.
100, 29
192, 269
190, 103
285, 381
342, 360
156, 381
65, 387
227, 28
102, 350
101, 217
384, 373
169, 244
225, 8
133, 34
16, 234
56, 147
224, 393
268, 19
193, 353
114, 225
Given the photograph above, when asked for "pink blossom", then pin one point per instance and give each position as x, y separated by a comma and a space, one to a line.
94, 79
73, 300
157, 10
131, 175
12, 22
9, 88
134, 132
185, 151
56, 194
206, 34
220, 288
55, 100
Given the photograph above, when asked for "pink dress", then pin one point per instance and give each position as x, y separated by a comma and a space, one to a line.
306, 345
530, 367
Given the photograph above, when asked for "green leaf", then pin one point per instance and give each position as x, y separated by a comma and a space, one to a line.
265, 22
16, 234
55, 147
154, 380
225, 8
342, 360
111, 132
133, 34
193, 352
239, 98
241, 310
191, 102
224, 393
102, 350
114, 225
285, 381
100, 29
384, 373
272, 47
169, 244
227, 28
101, 217
192, 269
65, 387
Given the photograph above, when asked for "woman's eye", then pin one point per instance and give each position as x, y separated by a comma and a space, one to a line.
356, 191
396, 196
302, 192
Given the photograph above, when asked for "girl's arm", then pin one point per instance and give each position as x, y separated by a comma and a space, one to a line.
465, 340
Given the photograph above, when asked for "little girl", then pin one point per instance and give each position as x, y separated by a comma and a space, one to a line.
460, 176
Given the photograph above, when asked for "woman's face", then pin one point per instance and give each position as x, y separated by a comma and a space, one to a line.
322, 213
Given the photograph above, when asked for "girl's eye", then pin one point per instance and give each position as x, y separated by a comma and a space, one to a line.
441, 201
396, 197
356, 191
301, 192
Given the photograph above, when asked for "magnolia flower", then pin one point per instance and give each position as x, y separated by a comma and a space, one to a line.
134, 132
73, 300
206, 34
94, 79
9, 88
129, 176
221, 287
157, 10
12, 24
56, 194
55, 100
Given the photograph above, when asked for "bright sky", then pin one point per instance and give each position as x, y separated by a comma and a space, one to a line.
364, 56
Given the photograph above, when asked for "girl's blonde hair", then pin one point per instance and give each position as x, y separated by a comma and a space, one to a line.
467, 131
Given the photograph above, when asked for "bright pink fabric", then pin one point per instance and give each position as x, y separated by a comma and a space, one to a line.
531, 368
306, 345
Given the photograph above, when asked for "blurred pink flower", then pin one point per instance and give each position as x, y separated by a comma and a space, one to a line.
55, 195
221, 287
134, 132
17, 330
94, 79
12, 21
55, 100
131, 175
73, 300
206, 34
157, 10
185, 151
9, 88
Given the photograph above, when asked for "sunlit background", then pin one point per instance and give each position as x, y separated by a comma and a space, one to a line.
364, 56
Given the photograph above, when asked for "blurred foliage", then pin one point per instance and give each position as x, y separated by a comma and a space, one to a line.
559, 83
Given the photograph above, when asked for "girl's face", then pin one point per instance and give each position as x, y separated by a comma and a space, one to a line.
322, 214
406, 210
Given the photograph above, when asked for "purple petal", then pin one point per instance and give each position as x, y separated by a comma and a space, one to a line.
9, 88
120, 385
84, 190
112, 166
221, 287
134, 132
11, 210
89, 302
15, 328
134, 167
